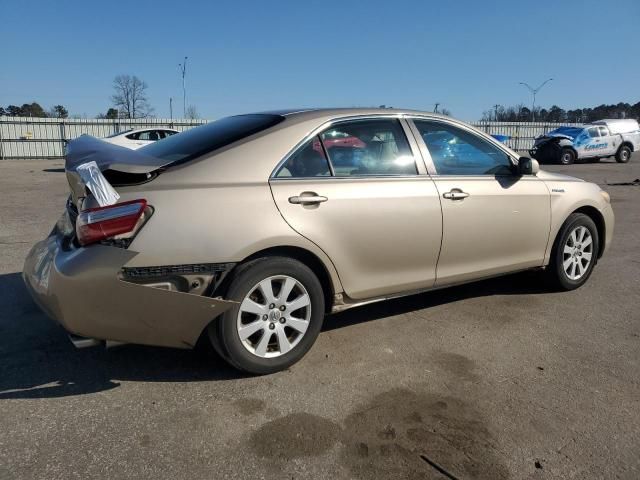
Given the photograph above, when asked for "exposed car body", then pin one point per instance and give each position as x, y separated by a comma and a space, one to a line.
247, 231
600, 139
140, 137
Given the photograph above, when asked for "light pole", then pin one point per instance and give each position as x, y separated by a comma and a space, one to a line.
534, 91
183, 68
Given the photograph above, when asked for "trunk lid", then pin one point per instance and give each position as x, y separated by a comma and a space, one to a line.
95, 165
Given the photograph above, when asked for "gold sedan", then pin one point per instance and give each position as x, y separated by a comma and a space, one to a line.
249, 230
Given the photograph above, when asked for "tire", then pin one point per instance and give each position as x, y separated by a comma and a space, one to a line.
567, 252
623, 155
289, 336
567, 156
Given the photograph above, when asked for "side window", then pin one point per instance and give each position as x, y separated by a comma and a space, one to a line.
368, 147
456, 151
144, 135
167, 133
308, 161
593, 132
604, 132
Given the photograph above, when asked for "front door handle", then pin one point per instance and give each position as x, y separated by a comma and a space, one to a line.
455, 194
307, 198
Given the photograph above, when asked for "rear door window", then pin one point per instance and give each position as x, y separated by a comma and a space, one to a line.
308, 161
369, 147
376, 147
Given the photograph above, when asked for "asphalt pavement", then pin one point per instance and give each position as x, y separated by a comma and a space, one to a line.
493, 380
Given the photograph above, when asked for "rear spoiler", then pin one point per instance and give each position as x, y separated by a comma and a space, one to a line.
109, 156
87, 157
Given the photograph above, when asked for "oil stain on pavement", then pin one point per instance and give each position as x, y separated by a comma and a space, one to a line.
400, 433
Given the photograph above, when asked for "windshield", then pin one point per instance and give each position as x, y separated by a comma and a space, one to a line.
571, 132
212, 136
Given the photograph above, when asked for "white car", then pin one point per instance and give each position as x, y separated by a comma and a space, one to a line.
140, 137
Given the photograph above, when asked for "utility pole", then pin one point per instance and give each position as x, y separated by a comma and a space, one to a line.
534, 91
495, 108
183, 68
171, 108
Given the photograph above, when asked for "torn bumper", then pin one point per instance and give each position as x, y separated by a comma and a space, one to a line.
81, 289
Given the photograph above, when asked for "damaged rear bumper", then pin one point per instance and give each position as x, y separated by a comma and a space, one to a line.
81, 289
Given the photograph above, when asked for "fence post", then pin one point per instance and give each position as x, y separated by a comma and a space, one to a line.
1, 142
63, 135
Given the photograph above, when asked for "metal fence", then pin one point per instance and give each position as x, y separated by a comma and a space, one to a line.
25, 137
22, 137
521, 134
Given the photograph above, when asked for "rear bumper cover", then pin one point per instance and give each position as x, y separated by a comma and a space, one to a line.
81, 290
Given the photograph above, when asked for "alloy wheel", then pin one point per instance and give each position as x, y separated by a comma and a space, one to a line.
578, 253
274, 316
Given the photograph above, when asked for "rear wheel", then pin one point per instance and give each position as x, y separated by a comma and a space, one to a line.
574, 252
567, 156
623, 155
278, 317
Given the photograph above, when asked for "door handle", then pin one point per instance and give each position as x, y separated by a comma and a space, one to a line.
308, 199
455, 194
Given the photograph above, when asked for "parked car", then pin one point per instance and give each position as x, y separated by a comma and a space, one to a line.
601, 139
140, 137
244, 233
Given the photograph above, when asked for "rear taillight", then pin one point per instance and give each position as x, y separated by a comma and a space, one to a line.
102, 223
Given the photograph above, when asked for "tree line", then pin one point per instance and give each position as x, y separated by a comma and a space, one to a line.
129, 100
555, 114
34, 109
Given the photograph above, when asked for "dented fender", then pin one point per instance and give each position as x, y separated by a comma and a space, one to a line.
81, 289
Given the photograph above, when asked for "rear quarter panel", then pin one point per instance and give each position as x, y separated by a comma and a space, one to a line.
212, 223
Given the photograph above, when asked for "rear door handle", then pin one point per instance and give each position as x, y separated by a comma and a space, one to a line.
455, 194
308, 199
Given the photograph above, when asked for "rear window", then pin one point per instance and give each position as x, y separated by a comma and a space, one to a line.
212, 136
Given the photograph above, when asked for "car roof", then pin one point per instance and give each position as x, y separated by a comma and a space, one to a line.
318, 113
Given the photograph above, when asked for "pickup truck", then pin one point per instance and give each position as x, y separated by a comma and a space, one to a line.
600, 139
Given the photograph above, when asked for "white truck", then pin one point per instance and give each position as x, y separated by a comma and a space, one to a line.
617, 138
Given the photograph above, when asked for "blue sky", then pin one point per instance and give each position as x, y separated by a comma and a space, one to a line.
258, 55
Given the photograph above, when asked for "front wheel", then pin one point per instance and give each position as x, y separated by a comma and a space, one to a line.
567, 156
278, 317
623, 155
574, 253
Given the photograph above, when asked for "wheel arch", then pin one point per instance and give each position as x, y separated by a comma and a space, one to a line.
626, 143
304, 256
595, 215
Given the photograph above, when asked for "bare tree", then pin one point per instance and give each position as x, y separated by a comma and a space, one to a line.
191, 113
130, 97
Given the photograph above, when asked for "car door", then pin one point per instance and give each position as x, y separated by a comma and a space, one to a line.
359, 191
609, 141
594, 145
494, 221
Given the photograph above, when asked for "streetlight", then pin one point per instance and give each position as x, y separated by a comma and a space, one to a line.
534, 91
183, 68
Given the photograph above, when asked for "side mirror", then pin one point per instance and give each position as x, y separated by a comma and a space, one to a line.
528, 166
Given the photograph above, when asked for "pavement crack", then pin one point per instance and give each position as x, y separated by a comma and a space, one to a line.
438, 468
